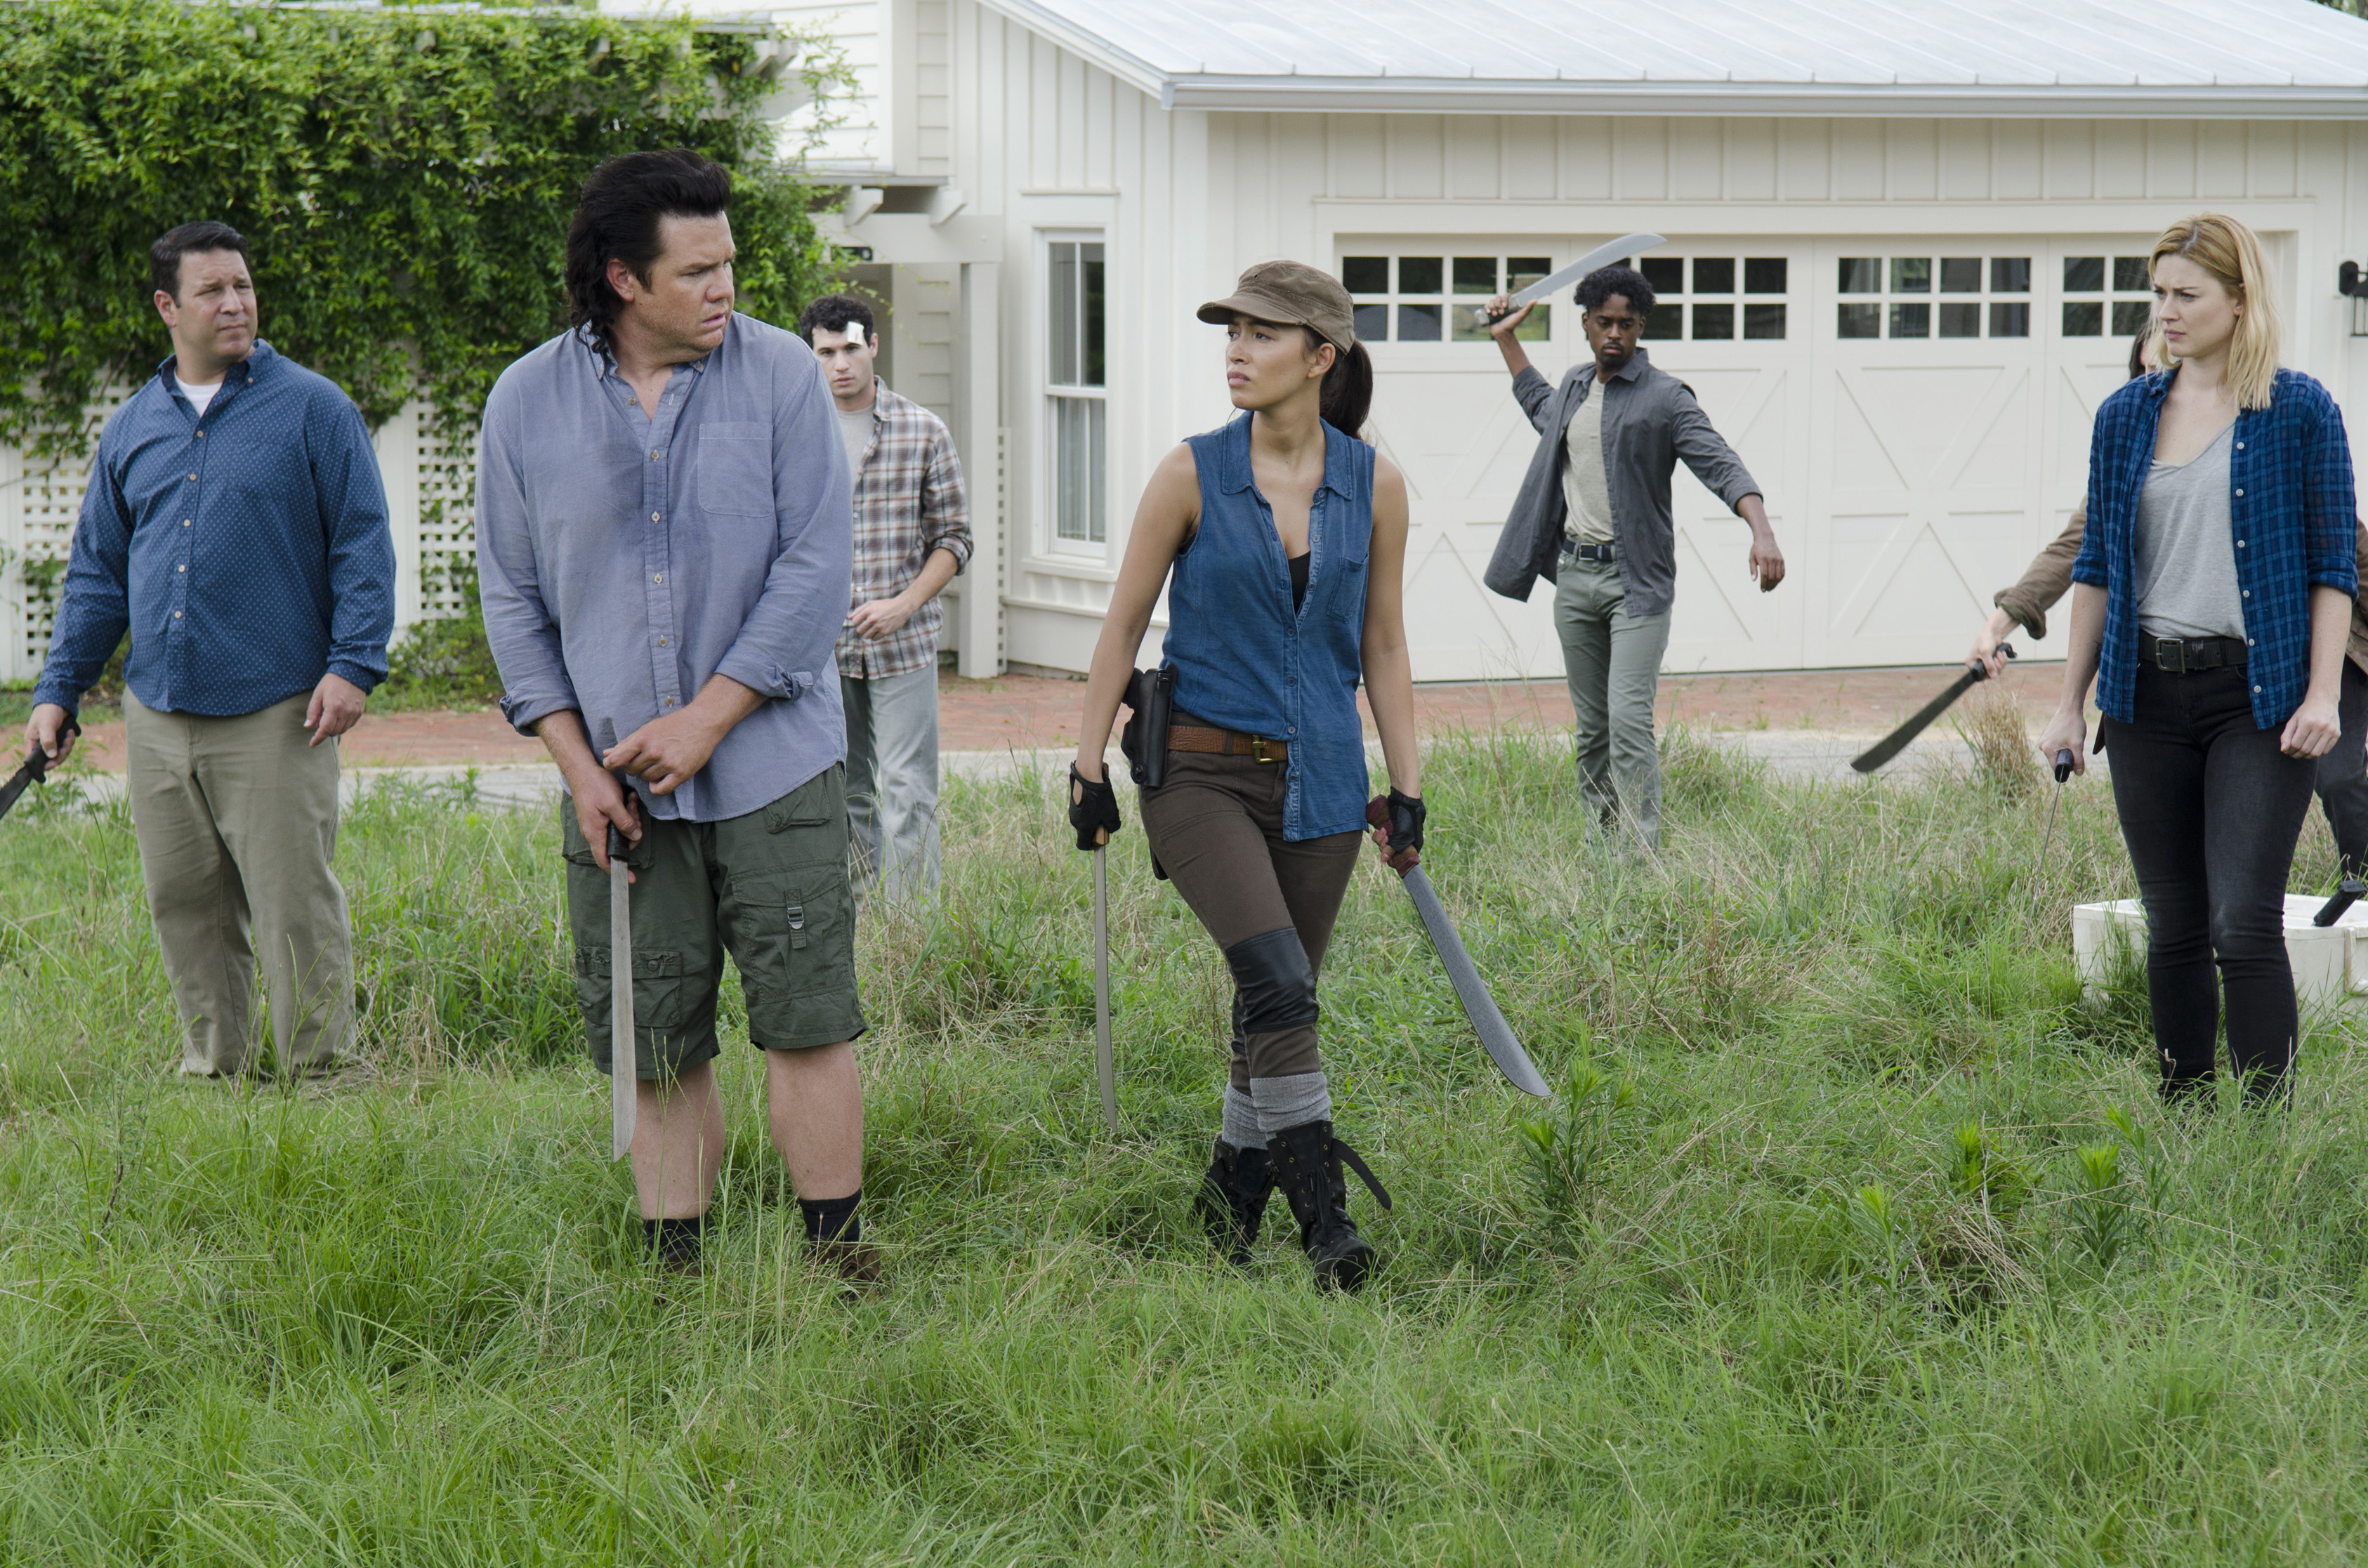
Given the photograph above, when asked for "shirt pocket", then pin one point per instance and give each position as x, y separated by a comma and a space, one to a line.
735, 469
1347, 571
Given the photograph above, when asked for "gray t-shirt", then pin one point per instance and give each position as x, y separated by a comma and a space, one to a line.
2186, 549
856, 428
1586, 488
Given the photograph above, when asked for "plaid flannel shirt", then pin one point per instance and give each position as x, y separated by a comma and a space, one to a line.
2291, 507
908, 501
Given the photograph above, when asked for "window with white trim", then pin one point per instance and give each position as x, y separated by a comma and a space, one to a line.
1075, 401
2088, 304
1440, 298
1715, 297
1925, 297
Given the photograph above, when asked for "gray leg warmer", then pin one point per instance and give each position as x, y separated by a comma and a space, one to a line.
1291, 1102
1241, 1127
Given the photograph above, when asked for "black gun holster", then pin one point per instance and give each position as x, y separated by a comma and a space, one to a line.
1151, 697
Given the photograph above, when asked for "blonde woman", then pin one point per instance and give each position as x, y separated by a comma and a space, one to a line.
2211, 598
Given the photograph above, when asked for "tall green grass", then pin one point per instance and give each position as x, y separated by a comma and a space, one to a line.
1829, 1268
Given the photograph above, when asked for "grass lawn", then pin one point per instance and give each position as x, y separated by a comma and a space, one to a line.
1860, 1240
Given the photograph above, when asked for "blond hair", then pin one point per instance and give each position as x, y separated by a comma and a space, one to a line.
2230, 252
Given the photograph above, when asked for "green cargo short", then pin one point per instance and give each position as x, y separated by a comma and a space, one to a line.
772, 885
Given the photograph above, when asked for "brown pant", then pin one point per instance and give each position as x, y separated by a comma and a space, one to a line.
1216, 826
236, 820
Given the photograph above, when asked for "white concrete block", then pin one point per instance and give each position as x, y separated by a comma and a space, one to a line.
2330, 963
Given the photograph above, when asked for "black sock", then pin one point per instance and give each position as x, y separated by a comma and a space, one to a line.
675, 1240
833, 1219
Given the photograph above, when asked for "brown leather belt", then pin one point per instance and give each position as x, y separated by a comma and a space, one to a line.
1226, 742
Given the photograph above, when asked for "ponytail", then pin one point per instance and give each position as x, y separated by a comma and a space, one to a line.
1348, 395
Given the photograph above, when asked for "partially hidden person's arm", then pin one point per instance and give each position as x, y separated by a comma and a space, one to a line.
1706, 454
1389, 671
2045, 582
94, 609
1164, 520
352, 505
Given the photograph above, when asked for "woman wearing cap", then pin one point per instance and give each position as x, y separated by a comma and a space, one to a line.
1285, 535
2212, 594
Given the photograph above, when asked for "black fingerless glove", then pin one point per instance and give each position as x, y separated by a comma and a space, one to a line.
1406, 822
1093, 806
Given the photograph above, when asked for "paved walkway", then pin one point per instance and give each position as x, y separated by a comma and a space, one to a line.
1022, 713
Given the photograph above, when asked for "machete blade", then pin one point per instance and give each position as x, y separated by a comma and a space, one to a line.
1602, 256
1891, 744
14, 787
1486, 1019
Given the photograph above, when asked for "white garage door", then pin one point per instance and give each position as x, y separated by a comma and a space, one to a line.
1917, 410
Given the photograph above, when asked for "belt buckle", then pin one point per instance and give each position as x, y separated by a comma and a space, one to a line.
2171, 655
1257, 750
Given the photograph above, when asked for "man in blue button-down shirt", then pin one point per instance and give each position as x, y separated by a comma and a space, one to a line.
665, 544
233, 522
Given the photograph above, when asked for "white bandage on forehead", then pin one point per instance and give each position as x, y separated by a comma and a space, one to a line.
855, 334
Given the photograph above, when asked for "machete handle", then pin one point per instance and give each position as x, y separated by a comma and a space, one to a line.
1377, 813
618, 845
2063, 764
37, 762
2005, 648
2347, 892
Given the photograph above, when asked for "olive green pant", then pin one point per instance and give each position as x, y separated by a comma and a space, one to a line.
236, 820
769, 887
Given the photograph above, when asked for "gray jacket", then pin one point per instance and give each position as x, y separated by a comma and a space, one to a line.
1650, 422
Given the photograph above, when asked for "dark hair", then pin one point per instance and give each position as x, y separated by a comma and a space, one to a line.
2137, 352
165, 255
831, 314
1346, 396
1605, 282
617, 219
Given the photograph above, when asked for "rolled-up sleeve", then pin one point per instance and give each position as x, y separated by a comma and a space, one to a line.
945, 503
519, 623
786, 643
2048, 577
360, 546
2329, 503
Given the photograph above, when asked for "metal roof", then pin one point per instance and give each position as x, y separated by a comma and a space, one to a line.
2275, 59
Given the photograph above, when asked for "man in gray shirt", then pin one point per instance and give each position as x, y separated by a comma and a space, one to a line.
1593, 518
663, 542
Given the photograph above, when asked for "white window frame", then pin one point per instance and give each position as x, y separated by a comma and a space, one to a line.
1053, 394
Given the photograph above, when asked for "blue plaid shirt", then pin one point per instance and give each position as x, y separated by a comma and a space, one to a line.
247, 551
2293, 510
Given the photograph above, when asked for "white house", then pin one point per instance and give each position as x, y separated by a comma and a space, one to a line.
1906, 253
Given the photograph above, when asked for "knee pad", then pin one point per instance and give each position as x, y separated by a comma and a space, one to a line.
1274, 982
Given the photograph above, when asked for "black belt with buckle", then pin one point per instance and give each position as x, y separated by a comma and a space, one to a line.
2185, 655
1588, 551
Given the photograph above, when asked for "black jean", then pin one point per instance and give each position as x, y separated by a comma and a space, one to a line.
2209, 809
2343, 775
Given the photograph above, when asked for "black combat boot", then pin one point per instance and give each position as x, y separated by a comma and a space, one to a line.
1307, 1160
1231, 1200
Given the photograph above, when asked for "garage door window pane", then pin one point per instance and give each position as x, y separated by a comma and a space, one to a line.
1417, 323
1714, 321
2132, 317
1961, 319
1475, 274
1763, 274
1763, 320
1667, 274
2010, 320
1666, 321
1420, 274
1960, 275
2084, 318
2009, 274
2129, 275
1713, 275
1520, 271
2084, 273
1366, 274
1859, 321
1911, 321
1861, 275
1373, 323
1911, 275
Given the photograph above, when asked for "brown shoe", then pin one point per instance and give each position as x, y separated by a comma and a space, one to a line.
858, 1262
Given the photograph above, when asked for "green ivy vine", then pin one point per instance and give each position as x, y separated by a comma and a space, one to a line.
403, 177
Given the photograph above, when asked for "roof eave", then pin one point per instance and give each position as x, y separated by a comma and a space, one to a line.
2004, 101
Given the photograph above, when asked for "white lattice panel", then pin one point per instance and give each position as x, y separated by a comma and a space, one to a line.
431, 500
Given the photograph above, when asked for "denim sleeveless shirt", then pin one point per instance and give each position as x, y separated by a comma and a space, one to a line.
1244, 658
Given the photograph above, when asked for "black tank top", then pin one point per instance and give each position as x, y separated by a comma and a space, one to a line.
1299, 579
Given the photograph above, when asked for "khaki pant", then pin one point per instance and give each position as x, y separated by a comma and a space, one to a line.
1613, 663
237, 821
892, 779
